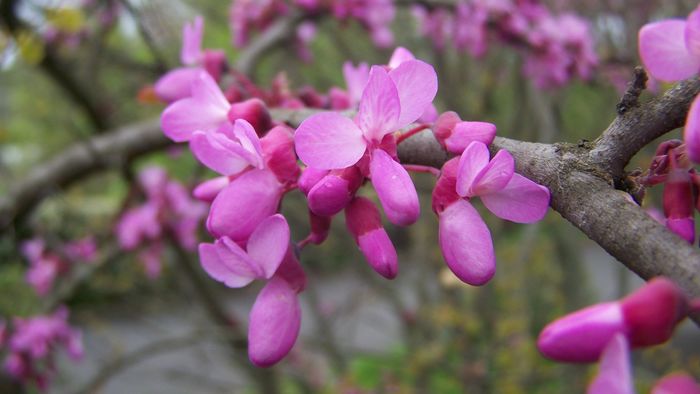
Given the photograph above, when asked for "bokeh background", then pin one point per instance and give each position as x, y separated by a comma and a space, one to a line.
424, 332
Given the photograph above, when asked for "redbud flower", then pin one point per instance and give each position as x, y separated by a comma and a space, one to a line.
646, 317
465, 241
228, 263
455, 135
676, 383
615, 374
390, 101
365, 224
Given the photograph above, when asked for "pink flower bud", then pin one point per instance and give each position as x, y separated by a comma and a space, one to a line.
455, 135
209, 189
278, 150
274, 323
445, 191
214, 61
676, 383
309, 178
290, 270
653, 312
338, 99
678, 203
254, 111
581, 336
332, 193
365, 224
311, 98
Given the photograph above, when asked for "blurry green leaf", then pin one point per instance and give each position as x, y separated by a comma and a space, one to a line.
31, 49
367, 372
68, 20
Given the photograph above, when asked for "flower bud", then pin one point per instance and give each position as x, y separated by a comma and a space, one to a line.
278, 150
364, 223
332, 193
209, 189
678, 204
254, 111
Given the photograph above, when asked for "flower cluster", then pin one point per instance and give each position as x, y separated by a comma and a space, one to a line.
606, 331
231, 132
556, 48
45, 266
168, 211
375, 16
31, 343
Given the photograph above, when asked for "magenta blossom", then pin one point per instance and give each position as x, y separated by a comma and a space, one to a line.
365, 225
676, 383
228, 263
32, 343
464, 239
44, 267
646, 317
670, 51
176, 83
391, 100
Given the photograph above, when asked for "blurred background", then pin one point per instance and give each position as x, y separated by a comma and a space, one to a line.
151, 320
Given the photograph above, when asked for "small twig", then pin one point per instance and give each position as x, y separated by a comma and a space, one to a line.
634, 89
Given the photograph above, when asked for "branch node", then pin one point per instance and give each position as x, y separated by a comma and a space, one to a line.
634, 89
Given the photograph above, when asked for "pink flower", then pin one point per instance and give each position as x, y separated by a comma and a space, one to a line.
615, 374
83, 249
455, 135
646, 317
676, 383
365, 225
464, 239
230, 264
670, 49
229, 151
390, 101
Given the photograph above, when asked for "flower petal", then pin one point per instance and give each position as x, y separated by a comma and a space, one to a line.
217, 152
615, 373
394, 188
663, 50
416, 83
691, 133
464, 133
245, 202
521, 201
176, 84
466, 243
473, 160
399, 56
380, 106
692, 33
581, 336
496, 175
274, 323
268, 244
248, 138
328, 141
214, 265
191, 51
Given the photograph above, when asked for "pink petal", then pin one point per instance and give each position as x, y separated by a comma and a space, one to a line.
191, 51
274, 323
380, 253
291, 271
417, 84
495, 176
176, 84
614, 375
691, 133
380, 106
204, 111
473, 160
399, 56
328, 141
581, 336
676, 383
330, 195
222, 155
243, 204
394, 188
521, 201
209, 189
464, 133
692, 33
466, 243
663, 50
268, 244
213, 264
248, 138
309, 178
355, 80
